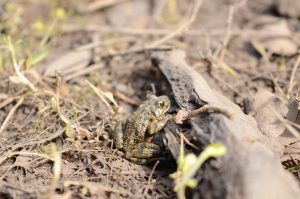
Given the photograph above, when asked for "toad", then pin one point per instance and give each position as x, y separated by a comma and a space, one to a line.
134, 137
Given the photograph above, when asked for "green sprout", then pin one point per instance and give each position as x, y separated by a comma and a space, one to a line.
19, 77
36, 58
189, 164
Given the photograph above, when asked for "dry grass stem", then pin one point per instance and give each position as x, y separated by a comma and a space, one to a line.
291, 83
28, 153
10, 114
182, 28
100, 4
150, 176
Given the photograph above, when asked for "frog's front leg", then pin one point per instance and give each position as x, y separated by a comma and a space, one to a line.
158, 125
118, 136
142, 153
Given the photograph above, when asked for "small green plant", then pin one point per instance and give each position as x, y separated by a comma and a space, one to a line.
189, 164
36, 58
19, 77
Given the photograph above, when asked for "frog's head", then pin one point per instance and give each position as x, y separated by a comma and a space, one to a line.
160, 106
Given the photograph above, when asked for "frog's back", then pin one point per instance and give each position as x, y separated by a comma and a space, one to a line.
136, 126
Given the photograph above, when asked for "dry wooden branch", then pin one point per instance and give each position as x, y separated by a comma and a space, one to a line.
250, 168
245, 33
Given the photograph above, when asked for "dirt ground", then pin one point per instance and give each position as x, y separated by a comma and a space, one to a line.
56, 131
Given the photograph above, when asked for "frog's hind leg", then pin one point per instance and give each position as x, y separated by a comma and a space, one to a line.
142, 153
142, 160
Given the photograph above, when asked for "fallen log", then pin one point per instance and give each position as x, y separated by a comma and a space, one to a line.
251, 168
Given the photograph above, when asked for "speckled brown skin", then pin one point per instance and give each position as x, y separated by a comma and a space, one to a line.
140, 127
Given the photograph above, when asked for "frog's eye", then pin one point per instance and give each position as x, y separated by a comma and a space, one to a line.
161, 104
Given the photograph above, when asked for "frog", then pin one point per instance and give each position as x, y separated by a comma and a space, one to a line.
134, 136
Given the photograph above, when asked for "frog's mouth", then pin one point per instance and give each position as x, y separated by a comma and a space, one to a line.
158, 112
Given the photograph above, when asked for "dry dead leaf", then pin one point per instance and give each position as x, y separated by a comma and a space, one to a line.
263, 105
283, 45
172, 143
69, 62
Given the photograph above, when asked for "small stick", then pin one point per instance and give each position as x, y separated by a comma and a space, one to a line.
182, 28
100, 4
188, 142
138, 49
291, 84
28, 153
57, 167
224, 44
207, 108
151, 174
293, 124
62, 117
126, 99
10, 114
245, 33
221, 50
